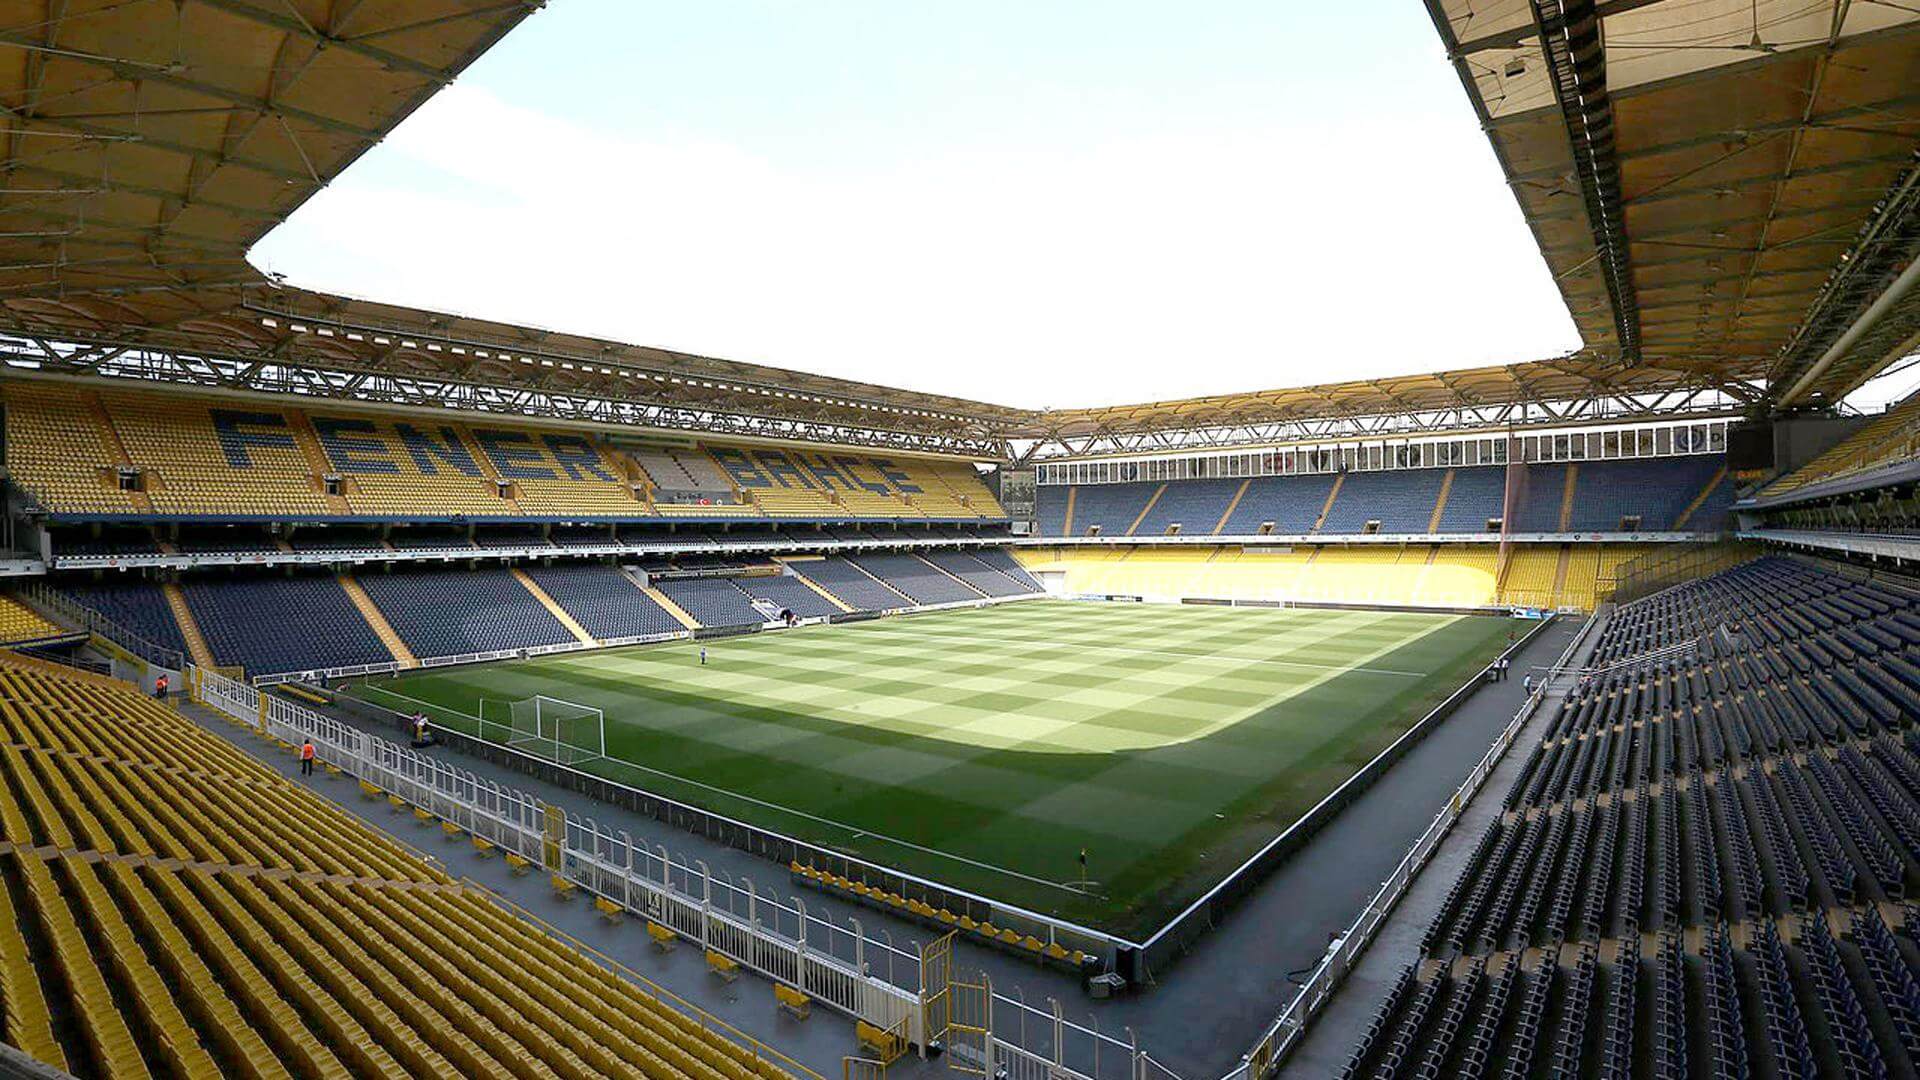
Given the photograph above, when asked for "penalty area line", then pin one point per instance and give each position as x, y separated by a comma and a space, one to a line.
857, 834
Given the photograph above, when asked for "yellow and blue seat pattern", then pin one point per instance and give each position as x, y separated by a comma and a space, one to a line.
201, 457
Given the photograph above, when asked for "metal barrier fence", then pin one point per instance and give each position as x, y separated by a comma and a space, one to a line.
777, 847
781, 941
1284, 1033
839, 966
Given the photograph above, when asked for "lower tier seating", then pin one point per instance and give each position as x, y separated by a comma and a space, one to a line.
855, 587
266, 625
133, 604
446, 614
1418, 575
283, 937
712, 601
1716, 837
919, 580
986, 579
603, 600
788, 592
273, 622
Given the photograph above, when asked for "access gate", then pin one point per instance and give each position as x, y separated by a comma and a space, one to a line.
970, 1026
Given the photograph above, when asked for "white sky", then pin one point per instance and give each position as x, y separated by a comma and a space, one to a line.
1038, 204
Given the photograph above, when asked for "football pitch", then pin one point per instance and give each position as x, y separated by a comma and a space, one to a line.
986, 748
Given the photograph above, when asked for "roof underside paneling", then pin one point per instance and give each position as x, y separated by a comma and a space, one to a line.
1725, 192
1761, 150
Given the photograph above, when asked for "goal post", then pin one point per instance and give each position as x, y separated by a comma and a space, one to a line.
558, 730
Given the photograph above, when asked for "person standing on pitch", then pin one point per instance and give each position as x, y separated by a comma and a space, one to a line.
703, 656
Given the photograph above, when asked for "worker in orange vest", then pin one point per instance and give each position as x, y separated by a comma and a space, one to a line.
160, 687
306, 757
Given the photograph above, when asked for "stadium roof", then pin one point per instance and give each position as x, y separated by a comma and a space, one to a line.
1722, 185
150, 143
1722, 190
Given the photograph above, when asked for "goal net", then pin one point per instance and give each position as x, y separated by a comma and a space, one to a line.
561, 731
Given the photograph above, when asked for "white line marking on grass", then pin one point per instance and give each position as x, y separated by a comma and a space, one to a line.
975, 863
1131, 650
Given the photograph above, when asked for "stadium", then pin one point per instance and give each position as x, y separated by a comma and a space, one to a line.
395, 692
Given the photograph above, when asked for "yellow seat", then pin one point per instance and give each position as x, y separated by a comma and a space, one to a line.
726, 967
792, 1002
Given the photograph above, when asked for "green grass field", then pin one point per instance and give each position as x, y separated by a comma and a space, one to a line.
985, 748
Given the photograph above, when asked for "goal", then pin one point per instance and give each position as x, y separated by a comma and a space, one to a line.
553, 728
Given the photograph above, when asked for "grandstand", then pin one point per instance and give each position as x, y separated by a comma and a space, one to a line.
1055, 691
144, 853
1733, 790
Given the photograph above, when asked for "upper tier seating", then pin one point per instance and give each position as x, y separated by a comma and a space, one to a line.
603, 600
55, 448
855, 587
268, 625
676, 471
819, 483
1892, 436
1194, 505
20, 623
203, 457
1111, 507
1477, 495
408, 468
1666, 493
1401, 500
788, 592
1538, 506
923, 582
448, 613
216, 459
1292, 503
133, 604
712, 601
1656, 490
218, 919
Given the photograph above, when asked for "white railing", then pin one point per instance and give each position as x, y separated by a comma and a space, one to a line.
1285, 1031
839, 966
779, 939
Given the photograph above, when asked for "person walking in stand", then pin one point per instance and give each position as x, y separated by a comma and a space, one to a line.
306, 757
160, 686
